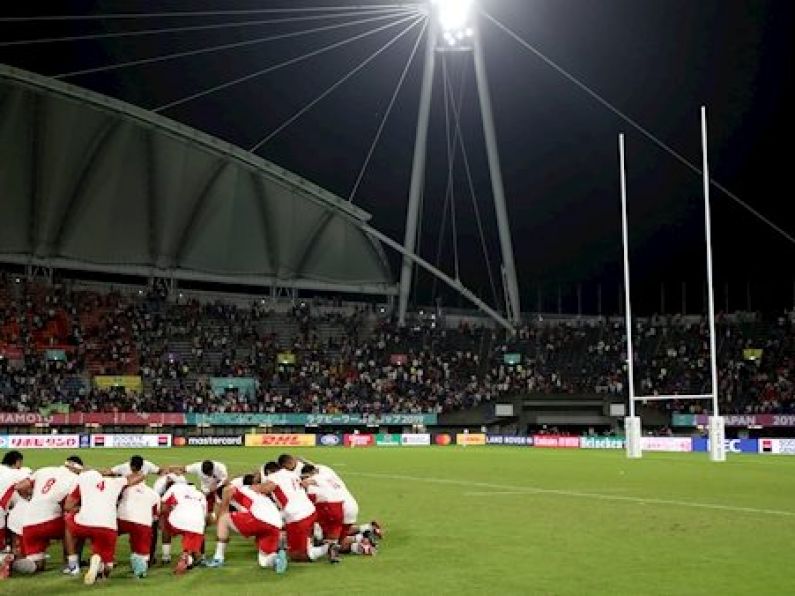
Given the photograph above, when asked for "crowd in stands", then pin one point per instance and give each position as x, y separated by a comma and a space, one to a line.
54, 340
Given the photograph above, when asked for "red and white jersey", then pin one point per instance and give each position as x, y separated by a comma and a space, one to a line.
9, 478
125, 469
331, 475
326, 490
139, 504
161, 484
190, 508
257, 505
290, 496
98, 496
51, 486
214, 480
237, 483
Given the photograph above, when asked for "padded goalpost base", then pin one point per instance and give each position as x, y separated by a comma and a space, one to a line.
717, 436
632, 431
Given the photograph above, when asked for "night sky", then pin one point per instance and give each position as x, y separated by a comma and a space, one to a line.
657, 61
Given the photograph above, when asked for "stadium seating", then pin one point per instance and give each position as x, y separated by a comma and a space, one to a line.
55, 341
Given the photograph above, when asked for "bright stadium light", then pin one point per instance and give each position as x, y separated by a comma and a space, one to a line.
454, 19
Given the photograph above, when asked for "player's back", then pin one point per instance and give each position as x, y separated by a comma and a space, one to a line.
98, 498
258, 505
327, 490
290, 496
51, 485
138, 504
9, 478
189, 507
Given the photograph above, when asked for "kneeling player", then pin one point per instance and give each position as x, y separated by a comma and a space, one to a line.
91, 514
298, 513
137, 511
256, 517
184, 510
44, 521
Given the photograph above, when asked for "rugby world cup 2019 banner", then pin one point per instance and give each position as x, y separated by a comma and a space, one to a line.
131, 441
276, 440
732, 445
311, 419
601, 442
737, 420
556, 441
40, 442
509, 440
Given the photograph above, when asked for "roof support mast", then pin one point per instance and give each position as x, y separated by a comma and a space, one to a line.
452, 29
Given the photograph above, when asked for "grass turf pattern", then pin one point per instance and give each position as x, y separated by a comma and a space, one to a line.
490, 520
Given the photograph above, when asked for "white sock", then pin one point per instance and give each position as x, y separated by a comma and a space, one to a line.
220, 550
72, 560
356, 548
266, 560
318, 532
167, 550
365, 527
315, 552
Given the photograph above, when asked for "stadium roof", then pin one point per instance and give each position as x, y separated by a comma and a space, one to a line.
88, 182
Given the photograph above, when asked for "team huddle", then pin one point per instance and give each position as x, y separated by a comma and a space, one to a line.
294, 510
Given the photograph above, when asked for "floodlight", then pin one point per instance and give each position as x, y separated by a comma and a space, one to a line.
453, 15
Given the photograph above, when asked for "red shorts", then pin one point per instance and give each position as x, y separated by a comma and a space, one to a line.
36, 538
330, 516
191, 541
140, 536
299, 535
267, 536
103, 540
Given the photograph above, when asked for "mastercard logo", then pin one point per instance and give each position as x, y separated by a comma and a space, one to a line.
179, 441
443, 439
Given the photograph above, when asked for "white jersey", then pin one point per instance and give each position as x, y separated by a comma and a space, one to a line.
98, 496
125, 469
214, 480
16, 517
9, 478
161, 484
189, 508
349, 505
139, 504
290, 496
258, 505
326, 490
51, 486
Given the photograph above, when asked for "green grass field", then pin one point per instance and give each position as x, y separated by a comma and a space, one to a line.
509, 520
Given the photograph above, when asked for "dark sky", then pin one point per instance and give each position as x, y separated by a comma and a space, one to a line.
657, 61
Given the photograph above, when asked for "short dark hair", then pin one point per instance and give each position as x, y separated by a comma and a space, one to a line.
208, 467
285, 459
75, 459
308, 470
136, 463
271, 467
248, 479
12, 458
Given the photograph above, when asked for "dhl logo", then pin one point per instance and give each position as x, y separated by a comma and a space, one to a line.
280, 440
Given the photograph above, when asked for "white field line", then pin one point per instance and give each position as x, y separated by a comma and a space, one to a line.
578, 494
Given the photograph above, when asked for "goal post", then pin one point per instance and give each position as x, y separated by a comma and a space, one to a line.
632, 423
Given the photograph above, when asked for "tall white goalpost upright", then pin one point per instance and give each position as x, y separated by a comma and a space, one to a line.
632, 424
717, 429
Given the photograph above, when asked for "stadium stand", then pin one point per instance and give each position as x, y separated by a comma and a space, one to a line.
54, 341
